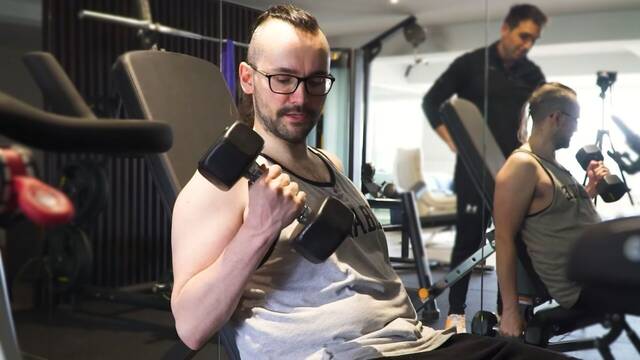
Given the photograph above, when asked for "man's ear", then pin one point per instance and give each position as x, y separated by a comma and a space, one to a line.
245, 73
556, 115
504, 29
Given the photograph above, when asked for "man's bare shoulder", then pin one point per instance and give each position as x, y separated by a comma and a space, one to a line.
519, 166
523, 160
200, 198
334, 159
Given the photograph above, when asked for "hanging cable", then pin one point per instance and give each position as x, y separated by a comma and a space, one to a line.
484, 149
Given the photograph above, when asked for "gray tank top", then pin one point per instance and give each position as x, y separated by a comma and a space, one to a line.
352, 306
551, 233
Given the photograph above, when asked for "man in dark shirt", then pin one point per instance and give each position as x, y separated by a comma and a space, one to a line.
511, 79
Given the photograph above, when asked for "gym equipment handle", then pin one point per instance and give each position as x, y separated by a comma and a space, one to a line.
34, 127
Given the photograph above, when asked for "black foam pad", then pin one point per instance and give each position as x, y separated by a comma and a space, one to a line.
34, 127
608, 255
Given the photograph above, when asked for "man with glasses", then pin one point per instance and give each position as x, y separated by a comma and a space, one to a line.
538, 198
512, 77
351, 306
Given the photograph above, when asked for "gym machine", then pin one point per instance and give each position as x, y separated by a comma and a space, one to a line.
43, 130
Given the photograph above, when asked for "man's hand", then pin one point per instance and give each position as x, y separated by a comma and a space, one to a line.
595, 172
446, 137
511, 323
274, 201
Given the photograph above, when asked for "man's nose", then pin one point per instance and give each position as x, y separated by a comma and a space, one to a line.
300, 94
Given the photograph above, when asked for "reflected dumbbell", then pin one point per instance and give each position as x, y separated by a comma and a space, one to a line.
610, 188
484, 323
233, 156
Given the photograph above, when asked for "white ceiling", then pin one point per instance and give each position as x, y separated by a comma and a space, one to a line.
346, 17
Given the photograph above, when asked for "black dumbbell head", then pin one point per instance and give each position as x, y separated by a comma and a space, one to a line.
390, 191
231, 156
483, 323
587, 154
611, 188
368, 171
325, 232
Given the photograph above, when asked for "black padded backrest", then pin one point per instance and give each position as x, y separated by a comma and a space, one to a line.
477, 148
187, 92
529, 283
191, 95
482, 157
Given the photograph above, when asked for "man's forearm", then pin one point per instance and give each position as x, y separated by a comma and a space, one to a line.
443, 133
507, 272
205, 302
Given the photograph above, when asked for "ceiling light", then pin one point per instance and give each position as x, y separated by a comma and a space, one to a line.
393, 1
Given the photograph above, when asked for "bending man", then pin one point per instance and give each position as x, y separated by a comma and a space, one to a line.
512, 79
538, 198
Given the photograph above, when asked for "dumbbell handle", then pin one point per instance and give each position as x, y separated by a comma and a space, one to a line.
255, 172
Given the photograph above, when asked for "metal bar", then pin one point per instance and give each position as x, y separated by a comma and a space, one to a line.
412, 222
9, 346
156, 27
461, 270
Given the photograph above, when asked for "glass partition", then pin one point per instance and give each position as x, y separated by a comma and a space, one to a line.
335, 128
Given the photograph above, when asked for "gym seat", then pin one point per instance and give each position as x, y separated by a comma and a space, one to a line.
190, 94
483, 159
432, 197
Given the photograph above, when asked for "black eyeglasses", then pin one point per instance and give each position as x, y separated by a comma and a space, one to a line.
316, 85
572, 117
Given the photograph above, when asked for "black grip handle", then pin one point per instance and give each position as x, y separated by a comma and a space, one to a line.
34, 127
58, 90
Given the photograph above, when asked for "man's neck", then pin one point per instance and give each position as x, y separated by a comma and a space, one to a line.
539, 145
507, 63
280, 150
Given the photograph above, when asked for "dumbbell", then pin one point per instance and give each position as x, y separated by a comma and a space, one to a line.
368, 185
484, 323
233, 156
610, 187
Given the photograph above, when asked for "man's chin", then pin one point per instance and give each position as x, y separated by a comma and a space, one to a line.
297, 136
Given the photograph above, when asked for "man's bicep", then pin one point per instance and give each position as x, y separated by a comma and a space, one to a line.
204, 222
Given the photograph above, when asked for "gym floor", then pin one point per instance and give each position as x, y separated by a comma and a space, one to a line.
102, 330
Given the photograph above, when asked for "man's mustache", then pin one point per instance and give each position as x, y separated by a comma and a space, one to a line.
309, 113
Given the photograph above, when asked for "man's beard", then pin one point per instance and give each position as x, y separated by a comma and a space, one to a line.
277, 126
562, 142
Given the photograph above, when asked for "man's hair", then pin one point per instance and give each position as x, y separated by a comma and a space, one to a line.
523, 12
300, 19
548, 98
297, 17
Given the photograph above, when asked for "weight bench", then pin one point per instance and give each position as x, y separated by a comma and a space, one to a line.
483, 159
191, 95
